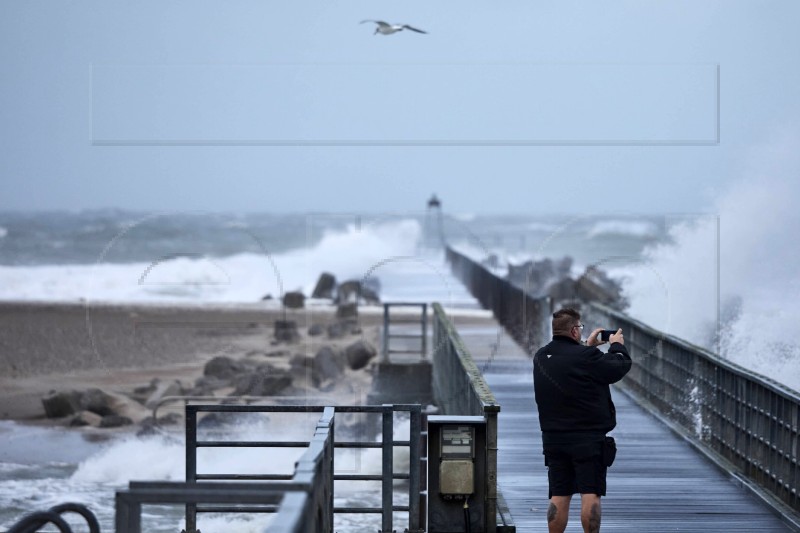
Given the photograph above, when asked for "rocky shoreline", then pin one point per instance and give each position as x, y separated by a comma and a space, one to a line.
58, 369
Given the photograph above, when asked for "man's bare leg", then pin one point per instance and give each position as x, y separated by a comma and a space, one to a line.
558, 514
590, 513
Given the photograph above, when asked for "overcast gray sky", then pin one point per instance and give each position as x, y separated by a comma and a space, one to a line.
516, 106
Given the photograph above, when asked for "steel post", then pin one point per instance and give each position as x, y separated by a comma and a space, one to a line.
424, 331
414, 472
191, 464
387, 437
385, 354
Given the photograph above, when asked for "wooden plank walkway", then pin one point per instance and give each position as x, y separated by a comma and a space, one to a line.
658, 483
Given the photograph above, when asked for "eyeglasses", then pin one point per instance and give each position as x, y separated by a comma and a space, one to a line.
578, 326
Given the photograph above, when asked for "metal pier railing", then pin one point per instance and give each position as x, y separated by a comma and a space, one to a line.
522, 315
460, 389
747, 423
389, 333
304, 500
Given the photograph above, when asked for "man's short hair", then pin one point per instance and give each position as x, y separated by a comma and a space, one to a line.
564, 320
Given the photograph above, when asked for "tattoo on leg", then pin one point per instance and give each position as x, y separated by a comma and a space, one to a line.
594, 519
551, 512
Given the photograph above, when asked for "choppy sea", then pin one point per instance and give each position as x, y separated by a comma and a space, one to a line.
675, 270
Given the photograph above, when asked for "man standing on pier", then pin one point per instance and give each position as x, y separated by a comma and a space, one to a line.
571, 382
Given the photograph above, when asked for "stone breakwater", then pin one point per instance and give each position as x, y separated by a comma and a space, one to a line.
142, 351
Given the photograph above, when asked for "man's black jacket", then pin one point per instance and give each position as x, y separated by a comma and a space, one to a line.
571, 383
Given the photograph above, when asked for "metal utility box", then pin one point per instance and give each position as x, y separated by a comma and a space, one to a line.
456, 473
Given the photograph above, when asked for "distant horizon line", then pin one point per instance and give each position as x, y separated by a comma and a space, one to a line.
408, 212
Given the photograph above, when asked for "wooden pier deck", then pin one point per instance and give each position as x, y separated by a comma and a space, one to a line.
658, 483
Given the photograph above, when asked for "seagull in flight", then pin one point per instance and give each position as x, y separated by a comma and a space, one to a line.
384, 28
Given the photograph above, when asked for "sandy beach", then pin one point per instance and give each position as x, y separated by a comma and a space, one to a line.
117, 348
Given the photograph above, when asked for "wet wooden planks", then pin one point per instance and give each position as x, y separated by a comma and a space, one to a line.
658, 483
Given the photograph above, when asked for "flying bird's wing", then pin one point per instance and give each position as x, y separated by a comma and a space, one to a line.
380, 23
406, 26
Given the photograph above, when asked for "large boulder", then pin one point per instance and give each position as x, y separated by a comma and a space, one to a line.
206, 385
355, 291
336, 330
324, 367
60, 404
163, 389
595, 285
265, 380
301, 363
329, 363
150, 426
347, 311
286, 331
536, 277
359, 354
86, 418
141, 394
98, 401
109, 403
372, 285
563, 290
115, 421
222, 367
294, 300
325, 286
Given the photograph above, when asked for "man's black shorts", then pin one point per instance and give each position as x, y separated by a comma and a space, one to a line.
575, 468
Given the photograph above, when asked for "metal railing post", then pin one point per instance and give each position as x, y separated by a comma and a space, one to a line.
415, 445
424, 331
330, 413
387, 440
191, 465
385, 354
490, 413
127, 514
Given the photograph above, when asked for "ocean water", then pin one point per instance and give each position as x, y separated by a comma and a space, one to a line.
199, 257
41, 467
724, 280
703, 277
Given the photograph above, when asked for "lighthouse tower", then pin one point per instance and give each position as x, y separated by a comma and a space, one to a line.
433, 232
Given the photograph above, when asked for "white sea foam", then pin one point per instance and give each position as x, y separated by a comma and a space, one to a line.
676, 290
543, 227
227, 523
154, 458
631, 228
387, 250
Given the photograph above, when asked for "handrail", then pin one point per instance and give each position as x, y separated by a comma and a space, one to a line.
461, 389
447, 342
735, 415
767, 382
387, 350
749, 421
522, 315
315, 468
